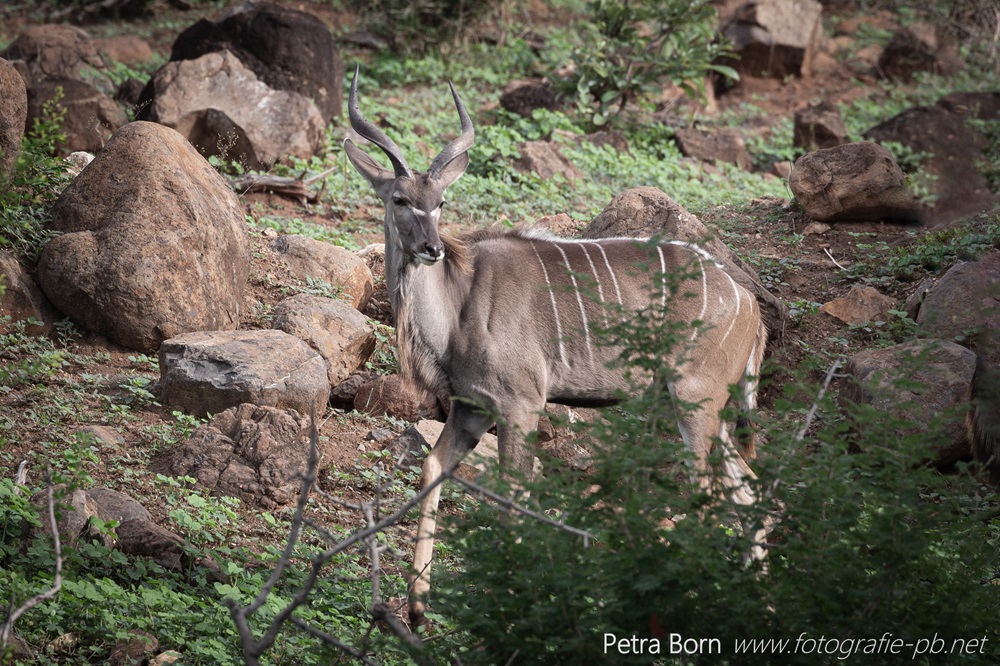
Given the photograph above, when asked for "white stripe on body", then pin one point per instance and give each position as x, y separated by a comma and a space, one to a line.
579, 300
555, 309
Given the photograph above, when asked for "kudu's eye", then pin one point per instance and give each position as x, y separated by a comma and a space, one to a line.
441, 205
398, 201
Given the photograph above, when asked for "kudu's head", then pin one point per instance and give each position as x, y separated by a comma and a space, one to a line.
413, 201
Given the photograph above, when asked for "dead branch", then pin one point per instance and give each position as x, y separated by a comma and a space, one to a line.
511, 505
294, 188
830, 373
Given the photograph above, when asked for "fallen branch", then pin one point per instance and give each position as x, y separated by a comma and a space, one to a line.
295, 188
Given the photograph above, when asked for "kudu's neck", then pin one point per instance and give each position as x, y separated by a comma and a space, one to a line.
436, 290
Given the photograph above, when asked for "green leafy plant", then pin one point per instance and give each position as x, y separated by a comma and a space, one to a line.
37, 178
630, 48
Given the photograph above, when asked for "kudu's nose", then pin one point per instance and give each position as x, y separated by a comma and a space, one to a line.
434, 251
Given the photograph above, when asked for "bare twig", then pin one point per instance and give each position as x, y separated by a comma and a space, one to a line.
513, 506
15, 614
332, 640
827, 250
815, 406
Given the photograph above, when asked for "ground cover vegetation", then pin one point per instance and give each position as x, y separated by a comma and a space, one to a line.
870, 539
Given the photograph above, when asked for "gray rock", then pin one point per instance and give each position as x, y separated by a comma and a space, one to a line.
726, 145
91, 117
23, 299
855, 182
775, 38
545, 159
286, 48
934, 407
966, 302
221, 107
54, 51
390, 395
342, 335
13, 114
208, 372
819, 126
251, 452
340, 268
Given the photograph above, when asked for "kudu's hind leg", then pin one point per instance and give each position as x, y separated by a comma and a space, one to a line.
699, 427
462, 431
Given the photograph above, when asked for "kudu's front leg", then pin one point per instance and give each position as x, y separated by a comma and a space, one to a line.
462, 431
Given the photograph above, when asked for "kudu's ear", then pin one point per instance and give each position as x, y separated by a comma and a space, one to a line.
380, 177
453, 170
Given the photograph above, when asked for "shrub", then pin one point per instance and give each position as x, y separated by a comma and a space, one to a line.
37, 178
631, 48
870, 543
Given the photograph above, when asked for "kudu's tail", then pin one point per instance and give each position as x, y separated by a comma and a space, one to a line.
748, 394
983, 419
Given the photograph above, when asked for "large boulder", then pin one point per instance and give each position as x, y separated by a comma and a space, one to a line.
207, 372
645, 211
286, 48
221, 107
13, 115
775, 38
342, 335
153, 243
252, 452
91, 117
853, 182
951, 147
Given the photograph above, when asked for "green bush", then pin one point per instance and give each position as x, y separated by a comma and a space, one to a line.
631, 48
38, 176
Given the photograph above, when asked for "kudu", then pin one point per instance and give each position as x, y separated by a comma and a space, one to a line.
500, 323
